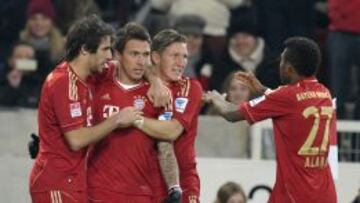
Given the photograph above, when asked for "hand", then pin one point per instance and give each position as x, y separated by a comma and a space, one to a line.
249, 79
212, 96
174, 196
33, 146
14, 78
159, 94
127, 116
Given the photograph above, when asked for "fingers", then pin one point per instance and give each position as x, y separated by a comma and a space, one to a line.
210, 96
150, 96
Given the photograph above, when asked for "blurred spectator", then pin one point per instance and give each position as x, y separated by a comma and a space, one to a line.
199, 64
231, 192
280, 19
41, 32
247, 52
68, 11
19, 87
236, 92
357, 198
216, 14
120, 12
12, 19
344, 50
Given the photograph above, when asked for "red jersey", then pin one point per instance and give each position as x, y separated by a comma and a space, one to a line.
187, 95
302, 116
121, 162
65, 105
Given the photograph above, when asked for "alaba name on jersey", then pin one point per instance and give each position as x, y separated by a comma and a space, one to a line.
303, 120
65, 105
122, 161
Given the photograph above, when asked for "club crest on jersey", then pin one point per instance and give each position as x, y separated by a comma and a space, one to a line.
256, 101
139, 102
166, 116
180, 104
75, 110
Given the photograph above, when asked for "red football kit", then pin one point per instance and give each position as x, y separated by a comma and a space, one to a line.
303, 119
59, 174
120, 164
187, 95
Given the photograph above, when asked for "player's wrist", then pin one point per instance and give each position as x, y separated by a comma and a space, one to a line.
139, 123
174, 188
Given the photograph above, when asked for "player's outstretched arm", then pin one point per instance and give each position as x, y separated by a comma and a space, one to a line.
226, 109
160, 129
249, 79
80, 138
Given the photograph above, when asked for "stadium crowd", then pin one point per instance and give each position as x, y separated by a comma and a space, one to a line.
223, 37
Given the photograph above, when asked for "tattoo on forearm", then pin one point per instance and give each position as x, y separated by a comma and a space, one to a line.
168, 163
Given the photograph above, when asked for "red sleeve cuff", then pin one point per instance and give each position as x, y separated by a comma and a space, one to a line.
72, 126
244, 110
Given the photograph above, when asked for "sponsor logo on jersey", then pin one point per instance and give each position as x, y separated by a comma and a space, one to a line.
75, 110
256, 101
180, 104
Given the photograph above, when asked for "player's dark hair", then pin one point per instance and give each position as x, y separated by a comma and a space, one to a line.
130, 31
87, 32
165, 38
303, 54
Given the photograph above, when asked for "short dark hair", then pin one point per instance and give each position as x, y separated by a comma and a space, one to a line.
87, 32
165, 38
303, 54
130, 31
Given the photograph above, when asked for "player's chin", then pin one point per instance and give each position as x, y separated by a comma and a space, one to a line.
101, 67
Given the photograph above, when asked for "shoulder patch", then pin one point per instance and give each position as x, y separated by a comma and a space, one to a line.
180, 104
166, 116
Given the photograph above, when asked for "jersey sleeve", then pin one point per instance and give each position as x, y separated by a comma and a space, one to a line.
187, 104
275, 104
68, 109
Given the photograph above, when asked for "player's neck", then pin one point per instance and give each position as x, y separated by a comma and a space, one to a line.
297, 78
80, 68
125, 79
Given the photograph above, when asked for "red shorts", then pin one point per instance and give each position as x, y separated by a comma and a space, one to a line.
58, 196
100, 196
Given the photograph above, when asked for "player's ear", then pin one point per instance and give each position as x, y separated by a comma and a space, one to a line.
155, 57
83, 50
117, 55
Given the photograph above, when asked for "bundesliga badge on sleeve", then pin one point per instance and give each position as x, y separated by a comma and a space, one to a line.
166, 116
180, 104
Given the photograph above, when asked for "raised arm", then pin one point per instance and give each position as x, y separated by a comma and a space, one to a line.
226, 109
158, 93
